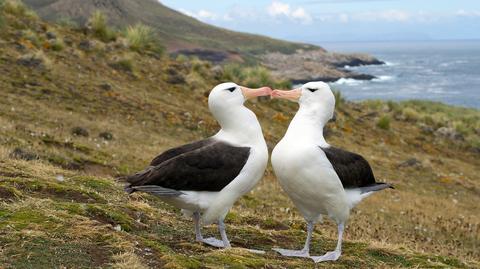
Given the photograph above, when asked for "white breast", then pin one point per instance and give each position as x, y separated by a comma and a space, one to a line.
248, 177
309, 179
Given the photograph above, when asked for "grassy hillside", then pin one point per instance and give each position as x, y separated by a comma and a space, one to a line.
76, 112
176, 29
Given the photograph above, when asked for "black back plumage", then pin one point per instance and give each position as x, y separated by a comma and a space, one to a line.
352, 169
206, 165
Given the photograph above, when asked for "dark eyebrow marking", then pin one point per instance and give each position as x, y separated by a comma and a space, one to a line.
231, 89
312, 90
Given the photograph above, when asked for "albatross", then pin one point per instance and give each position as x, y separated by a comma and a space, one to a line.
206, 177
319, 178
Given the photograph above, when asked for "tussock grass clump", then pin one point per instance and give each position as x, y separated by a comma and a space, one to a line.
67, 22
374, 104
141, 37
339, 99
384, 122
410, 114
32, 37
57, 44
17, 8
98, 24
255, 76
124, 63
37, 59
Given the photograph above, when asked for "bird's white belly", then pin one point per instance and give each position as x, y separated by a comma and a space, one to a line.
193, 201
307, 177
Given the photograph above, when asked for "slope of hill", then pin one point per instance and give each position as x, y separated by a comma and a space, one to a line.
184, 34
177, 30
74, 117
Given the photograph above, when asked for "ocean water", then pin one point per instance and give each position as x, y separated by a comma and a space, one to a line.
445, 71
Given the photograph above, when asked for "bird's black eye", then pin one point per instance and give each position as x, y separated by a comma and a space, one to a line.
231, 89
312, 90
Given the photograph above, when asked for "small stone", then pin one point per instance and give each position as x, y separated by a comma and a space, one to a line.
22, 154
106, 87
80, 131
410, 162
30, 60
68, 41
60, 178
85, 45
106, 135
117, 228
51, 35
217, 71
174, 75
449, 133
426, 129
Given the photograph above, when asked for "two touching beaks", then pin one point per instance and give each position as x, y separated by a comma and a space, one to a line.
292, 95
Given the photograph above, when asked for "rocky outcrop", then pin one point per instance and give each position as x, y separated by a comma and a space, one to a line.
309, 65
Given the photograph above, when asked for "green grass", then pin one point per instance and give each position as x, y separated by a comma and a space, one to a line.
99, 26
142, 38
339, 99
57, 45
124, 63
67, 22
384, 123
255, 76
31, 36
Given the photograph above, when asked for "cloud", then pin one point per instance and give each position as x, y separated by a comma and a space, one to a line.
343, 18
203, 15
301, 15
391, 15
279, 9
469, 13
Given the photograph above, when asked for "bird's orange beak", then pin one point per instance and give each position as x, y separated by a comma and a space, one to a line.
249, 93
292, 95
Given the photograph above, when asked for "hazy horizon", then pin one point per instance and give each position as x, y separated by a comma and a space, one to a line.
342, 20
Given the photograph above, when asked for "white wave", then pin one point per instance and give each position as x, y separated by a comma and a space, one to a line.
348, 81
383, 78
390, 63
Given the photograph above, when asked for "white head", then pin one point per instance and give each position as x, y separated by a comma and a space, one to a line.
316, 100
226, 104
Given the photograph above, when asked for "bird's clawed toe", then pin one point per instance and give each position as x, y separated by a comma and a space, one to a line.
292, 253
329, 256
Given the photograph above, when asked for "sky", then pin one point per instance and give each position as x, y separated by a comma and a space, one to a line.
341, 20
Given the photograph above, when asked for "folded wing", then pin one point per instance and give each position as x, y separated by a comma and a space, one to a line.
207, 165
352, 169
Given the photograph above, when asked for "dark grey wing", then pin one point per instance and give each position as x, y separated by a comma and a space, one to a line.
171, 153
352, 169
209, 168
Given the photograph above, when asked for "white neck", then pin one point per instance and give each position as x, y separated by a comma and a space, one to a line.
239, 125
308, 124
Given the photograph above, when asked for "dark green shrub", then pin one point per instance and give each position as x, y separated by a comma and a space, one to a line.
384, 123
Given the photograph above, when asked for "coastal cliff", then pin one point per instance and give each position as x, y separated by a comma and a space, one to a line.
303, 66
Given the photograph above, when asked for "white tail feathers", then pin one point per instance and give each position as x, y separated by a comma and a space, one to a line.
356, 195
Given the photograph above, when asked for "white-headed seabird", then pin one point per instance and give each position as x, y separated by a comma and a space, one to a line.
206, 177
319, 178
